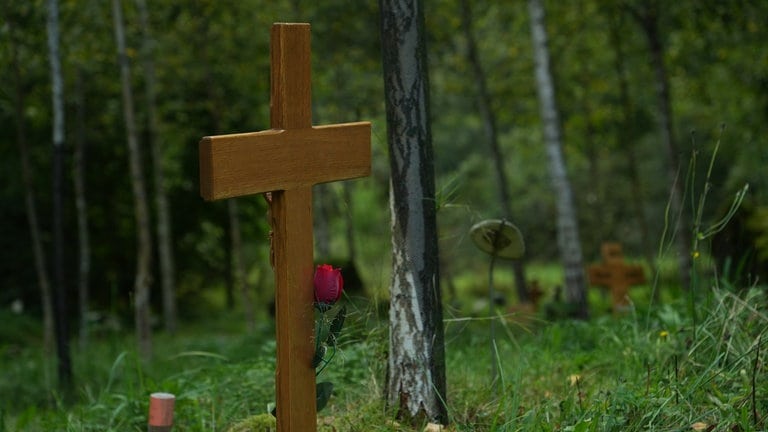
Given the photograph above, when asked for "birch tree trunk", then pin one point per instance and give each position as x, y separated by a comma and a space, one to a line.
41, 268
164, 236
59, 288
491, 131
143, 239
568, 242
416, 367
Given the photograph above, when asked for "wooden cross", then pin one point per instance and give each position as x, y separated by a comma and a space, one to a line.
616, 275
288, 160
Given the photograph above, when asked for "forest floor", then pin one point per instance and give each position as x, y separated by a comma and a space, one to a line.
668, 367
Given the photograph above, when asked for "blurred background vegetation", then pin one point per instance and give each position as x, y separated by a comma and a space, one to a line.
212, 68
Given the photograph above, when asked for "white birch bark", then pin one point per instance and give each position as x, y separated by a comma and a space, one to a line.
568, 242
416, 365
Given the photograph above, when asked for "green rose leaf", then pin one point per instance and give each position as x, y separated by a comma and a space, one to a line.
322, 330
324, 391
319, 355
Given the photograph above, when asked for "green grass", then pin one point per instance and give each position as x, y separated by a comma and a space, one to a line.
642, 371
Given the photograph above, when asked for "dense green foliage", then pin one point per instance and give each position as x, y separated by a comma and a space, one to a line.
212, 65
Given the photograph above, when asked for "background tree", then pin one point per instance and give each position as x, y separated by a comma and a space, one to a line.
143, 279
81, 207
416, 366
217, 88
568, 240
630, 125
647, 16
60, 311
491, 131
162, 207
30, 204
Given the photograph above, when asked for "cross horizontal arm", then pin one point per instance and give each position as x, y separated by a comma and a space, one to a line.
609, 275
250, 163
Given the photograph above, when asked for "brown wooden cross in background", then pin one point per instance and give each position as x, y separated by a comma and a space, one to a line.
616, 275
288, 160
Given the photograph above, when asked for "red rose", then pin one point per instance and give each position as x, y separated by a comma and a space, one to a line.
328, 284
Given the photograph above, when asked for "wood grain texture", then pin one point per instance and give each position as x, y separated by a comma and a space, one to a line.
291, 210
250, 163
290, 77
291, 213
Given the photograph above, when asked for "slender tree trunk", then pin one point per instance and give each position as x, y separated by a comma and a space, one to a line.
416, 385
626, 136
489, 121
568, 240
59, 289
41, 268
238, 263
143, 238
164, 236
81, 206
649, 20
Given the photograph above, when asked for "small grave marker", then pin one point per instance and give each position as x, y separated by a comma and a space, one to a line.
287, 161
616, 275
161, 412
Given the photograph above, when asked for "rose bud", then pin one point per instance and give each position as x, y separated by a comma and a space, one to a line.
328, 284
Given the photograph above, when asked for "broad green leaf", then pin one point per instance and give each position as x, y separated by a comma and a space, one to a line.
324, 391
322, 330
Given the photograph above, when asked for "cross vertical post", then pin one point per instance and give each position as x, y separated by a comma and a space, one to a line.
287, 161
291, 220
